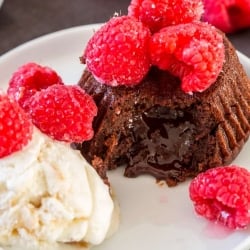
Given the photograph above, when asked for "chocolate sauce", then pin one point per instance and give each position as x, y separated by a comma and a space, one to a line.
162, 139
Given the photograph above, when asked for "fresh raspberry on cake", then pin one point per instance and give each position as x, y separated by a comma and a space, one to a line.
30, 78
117, 54
194, 52
222, 195
229, 16
157, 14
15, 126
63, 112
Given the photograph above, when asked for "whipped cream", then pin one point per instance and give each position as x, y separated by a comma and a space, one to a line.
49, 193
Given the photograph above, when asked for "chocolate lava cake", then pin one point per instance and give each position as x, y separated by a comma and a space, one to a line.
155, 128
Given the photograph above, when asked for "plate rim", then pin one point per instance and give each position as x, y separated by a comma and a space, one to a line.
46, 37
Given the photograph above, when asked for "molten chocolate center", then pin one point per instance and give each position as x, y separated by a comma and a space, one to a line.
162, 141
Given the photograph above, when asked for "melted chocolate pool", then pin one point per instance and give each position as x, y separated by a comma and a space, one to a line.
162, 141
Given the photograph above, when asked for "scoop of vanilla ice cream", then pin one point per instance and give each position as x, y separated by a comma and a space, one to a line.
49, 193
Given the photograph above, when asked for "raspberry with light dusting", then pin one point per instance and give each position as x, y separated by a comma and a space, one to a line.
222, 194
117, 54
194, 52
30, 78
229, 16
157, 14
15, 126
63, 112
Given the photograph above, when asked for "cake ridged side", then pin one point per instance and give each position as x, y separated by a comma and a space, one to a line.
232, 110
233, 131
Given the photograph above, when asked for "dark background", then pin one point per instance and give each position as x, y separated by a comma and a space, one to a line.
23, 20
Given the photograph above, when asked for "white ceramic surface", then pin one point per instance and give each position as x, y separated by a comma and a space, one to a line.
152, 216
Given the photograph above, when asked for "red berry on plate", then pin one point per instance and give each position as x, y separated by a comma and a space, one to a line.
227, 16
194, 52
223, 195
30, 78
15, 126
63, 112
157, 14
117, 54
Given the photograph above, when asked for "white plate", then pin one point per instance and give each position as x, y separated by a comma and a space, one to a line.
152, 216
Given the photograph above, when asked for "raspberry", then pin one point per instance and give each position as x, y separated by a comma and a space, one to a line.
117, 54
63, 112
157, 14
194, 52
15, 126
28, 79
222, 194
229, 16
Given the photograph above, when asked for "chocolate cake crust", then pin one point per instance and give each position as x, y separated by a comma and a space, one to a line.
155, 128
